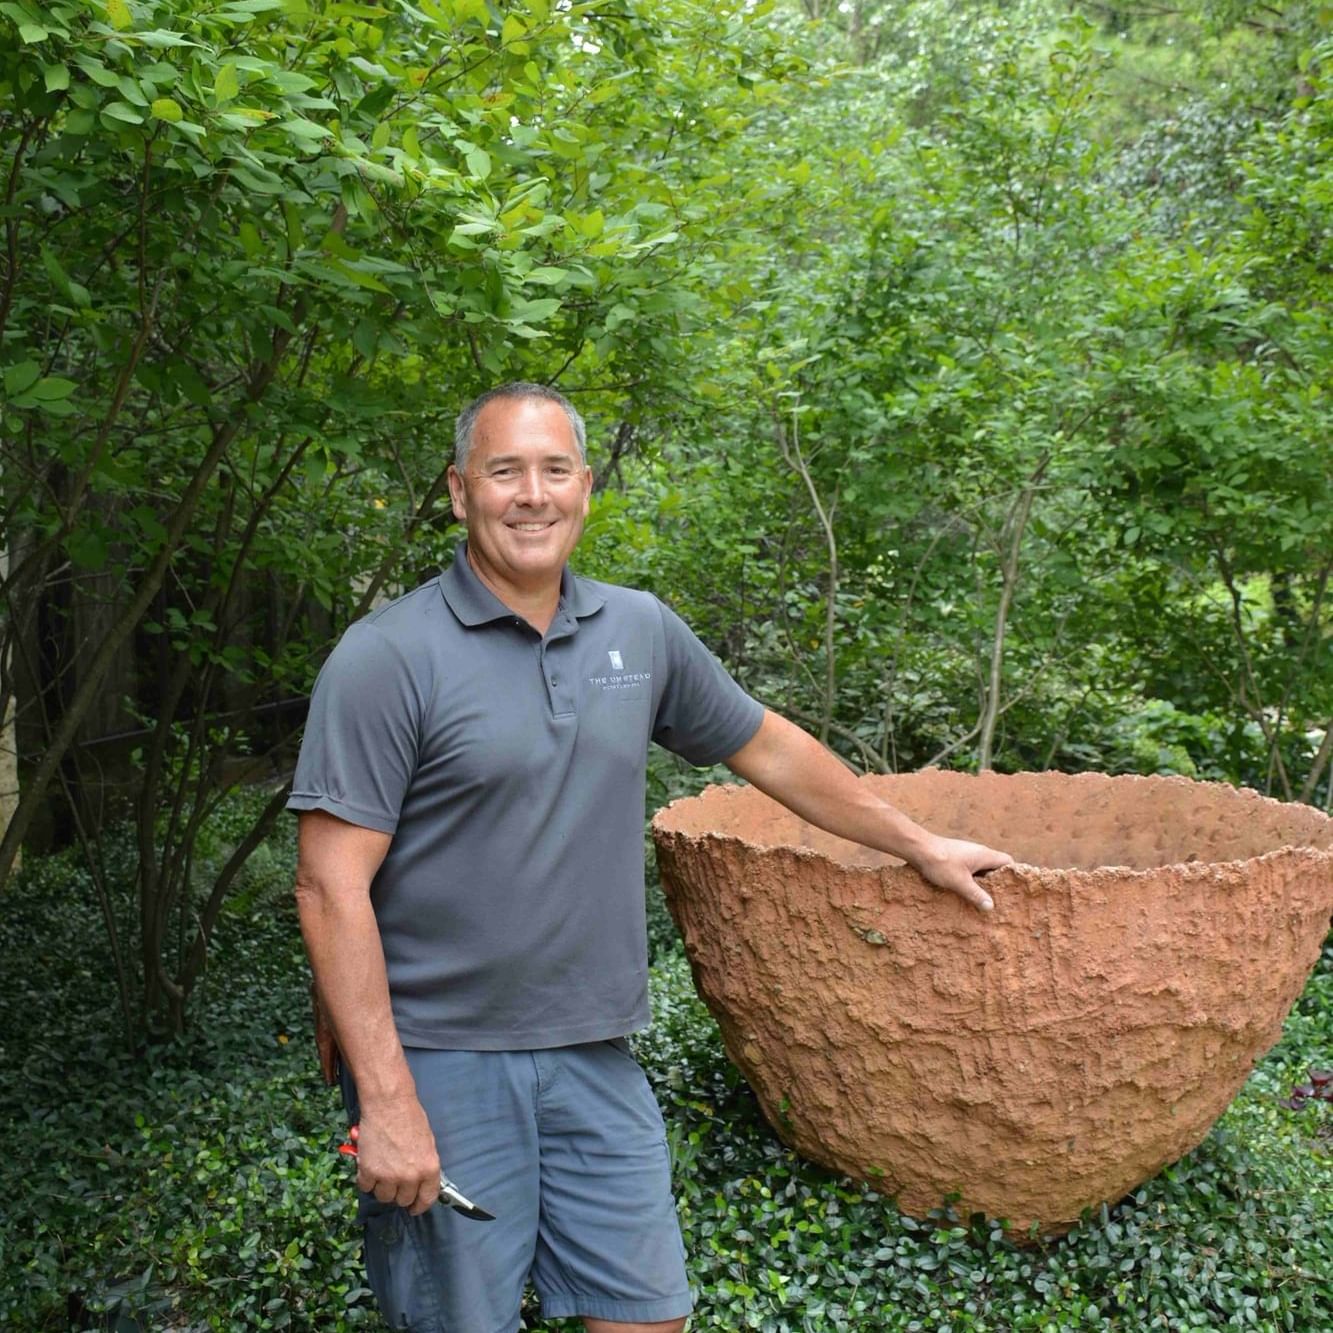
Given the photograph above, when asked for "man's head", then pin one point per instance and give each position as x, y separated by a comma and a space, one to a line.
520, 484
465, 428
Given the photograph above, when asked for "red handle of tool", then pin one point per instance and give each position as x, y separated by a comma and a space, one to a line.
349, 1148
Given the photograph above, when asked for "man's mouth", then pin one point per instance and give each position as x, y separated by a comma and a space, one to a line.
529, 526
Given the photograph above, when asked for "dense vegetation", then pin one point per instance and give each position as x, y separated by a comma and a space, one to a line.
197, 1187
959, 370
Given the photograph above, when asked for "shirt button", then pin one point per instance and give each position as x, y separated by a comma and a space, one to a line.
555, 680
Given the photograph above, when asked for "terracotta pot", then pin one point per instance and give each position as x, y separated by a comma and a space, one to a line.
1035, 1061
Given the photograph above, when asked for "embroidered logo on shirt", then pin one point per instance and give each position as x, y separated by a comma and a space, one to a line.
620, 682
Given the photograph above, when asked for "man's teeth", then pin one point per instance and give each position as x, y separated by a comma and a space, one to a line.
530, 527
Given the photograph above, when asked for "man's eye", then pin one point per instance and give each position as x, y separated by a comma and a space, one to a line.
501, 473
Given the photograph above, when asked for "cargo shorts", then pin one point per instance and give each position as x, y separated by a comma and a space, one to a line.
567, 1148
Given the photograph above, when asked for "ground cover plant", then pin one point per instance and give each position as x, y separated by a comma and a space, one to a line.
195, 1185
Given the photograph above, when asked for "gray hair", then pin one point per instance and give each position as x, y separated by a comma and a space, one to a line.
517, 391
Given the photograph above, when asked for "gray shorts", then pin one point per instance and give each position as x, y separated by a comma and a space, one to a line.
567, 1148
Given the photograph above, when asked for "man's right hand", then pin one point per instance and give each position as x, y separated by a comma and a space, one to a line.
335, 867
397, 1160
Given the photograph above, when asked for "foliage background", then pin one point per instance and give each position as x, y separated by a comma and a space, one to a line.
958, 370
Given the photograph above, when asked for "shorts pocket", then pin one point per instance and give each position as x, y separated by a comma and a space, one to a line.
398, 1272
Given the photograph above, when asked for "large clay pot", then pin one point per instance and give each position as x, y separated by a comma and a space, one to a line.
1037, 1060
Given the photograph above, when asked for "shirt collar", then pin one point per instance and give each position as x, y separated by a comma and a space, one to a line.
475, 604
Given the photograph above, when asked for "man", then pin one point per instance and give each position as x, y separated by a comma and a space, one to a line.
470, 884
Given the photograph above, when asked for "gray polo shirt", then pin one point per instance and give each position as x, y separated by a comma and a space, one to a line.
510, 770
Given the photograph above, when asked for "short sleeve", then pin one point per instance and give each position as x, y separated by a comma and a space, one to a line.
703, 715
361, 738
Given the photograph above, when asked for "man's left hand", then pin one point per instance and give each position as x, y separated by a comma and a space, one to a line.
951, 863
796, 770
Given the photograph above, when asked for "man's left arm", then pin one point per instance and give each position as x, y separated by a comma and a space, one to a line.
794, 769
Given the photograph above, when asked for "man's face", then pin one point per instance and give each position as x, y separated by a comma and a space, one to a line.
523, 494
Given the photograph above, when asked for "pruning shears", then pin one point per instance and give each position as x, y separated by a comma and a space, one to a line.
450, 1194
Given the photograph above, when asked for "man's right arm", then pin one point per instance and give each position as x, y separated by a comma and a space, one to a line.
336, 862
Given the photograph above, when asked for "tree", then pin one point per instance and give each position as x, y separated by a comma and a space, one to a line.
256, 256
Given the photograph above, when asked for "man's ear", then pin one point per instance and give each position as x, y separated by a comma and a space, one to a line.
587, 489
457, 494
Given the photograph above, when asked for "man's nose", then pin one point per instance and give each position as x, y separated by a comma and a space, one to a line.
531, 487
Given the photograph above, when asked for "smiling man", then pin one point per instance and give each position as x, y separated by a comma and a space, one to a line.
470, 884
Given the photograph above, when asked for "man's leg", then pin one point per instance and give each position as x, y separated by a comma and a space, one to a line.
609, 1249
441, 1272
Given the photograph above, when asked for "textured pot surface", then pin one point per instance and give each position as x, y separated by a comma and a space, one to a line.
1037, 1060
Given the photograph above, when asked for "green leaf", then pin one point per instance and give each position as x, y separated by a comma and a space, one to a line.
308, 131
118, 13
250, 239
478, 161
546, 276
245, 10
131, 91
21, 377
51, 388
335, 243
160, 37
190, 383
79, 121
353, 275
86, 548
149, 524
278, 318
226, 84
295, 231
534, 311
168, 109
379, 172
475, 10
73, 292
33, 33
56, 76
257, 179
96, 71
122, 112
